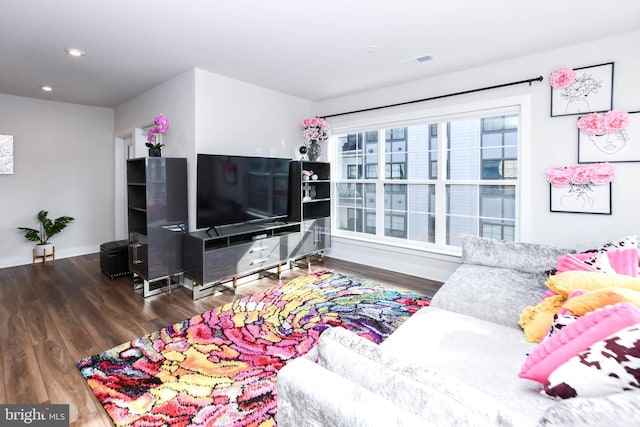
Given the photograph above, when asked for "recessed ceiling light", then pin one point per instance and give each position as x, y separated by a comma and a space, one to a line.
74, 51
46, 88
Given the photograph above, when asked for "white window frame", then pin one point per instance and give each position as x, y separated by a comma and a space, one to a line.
383, 119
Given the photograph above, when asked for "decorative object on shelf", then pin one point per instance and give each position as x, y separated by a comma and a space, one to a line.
154, 135
48, 228
581, 188
314, 151
605, 137
307, 193
306, 175
315, 131
581, 90
303, 151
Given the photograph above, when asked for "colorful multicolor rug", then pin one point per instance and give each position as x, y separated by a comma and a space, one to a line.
219, 368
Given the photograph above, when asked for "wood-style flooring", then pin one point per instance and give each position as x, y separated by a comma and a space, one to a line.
54, 315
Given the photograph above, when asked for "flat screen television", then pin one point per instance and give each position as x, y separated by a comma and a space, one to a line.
240, 189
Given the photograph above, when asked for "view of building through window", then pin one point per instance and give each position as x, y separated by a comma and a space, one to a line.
390, 183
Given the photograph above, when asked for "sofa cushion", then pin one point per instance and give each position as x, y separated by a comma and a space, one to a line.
497, 295
605, 411
310, 396
527, 257
576, 337
608, 366
497, 279
427, 393
482, 354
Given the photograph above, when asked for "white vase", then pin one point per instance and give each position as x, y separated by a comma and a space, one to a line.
40, 249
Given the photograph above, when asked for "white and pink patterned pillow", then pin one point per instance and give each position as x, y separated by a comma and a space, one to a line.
608, 366
560, 320
576, 337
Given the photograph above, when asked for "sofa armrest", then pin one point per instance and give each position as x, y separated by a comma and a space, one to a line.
414, 388
311, 396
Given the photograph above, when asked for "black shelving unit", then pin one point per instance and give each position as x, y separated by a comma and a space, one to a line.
310, 203
157, 220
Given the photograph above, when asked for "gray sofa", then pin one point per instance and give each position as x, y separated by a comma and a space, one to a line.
452, 363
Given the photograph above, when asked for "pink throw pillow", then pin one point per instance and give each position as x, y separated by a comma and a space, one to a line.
586, 261
624, 261
576, 337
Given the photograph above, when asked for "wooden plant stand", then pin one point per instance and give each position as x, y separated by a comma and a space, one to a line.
44, 256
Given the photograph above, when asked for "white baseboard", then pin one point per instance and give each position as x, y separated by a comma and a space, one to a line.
428, 265
27, 258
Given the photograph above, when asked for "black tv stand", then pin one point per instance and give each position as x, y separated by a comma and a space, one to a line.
241, 250
237, 251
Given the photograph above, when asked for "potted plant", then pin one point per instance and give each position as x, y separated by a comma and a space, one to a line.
154, 135
48, 228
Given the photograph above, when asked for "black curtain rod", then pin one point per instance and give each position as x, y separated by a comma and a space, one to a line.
536, 79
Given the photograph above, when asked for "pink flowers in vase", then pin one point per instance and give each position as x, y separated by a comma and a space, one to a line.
315, 130
160, 127
581, 175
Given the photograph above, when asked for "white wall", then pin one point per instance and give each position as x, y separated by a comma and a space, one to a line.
63, 156
209, 113
553, 143
237, 118
174, 98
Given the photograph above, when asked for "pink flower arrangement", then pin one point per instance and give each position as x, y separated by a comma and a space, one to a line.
613, 121
160, 127
315, 129
581, 175
562, 78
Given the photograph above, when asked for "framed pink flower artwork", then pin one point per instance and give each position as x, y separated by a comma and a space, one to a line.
581, 188
581, 90
613, 136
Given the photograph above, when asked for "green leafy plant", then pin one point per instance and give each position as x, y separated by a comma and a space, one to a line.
48, 228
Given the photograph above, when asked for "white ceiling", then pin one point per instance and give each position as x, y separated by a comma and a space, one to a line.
310, 49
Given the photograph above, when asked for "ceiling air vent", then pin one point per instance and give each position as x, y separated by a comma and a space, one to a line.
424, 58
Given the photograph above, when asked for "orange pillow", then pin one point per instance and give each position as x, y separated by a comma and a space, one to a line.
599, 298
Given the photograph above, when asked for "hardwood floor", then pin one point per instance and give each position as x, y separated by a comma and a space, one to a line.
51, 316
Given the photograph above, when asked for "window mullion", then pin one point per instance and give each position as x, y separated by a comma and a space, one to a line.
380, 213
441, 190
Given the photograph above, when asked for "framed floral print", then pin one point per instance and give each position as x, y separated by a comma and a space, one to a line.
590, 199
610, 137
581, 90
581, 188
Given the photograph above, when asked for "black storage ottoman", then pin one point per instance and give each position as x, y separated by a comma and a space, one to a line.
114, 258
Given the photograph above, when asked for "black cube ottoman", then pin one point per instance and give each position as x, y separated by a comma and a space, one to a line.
114, 258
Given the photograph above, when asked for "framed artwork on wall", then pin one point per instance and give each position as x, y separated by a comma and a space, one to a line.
589, 199
619, 142
6, 154
581, 90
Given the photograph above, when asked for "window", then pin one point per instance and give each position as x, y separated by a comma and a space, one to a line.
404, 196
